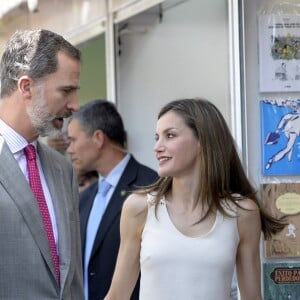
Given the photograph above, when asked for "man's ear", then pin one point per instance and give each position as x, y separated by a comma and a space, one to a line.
99, 137
25, 86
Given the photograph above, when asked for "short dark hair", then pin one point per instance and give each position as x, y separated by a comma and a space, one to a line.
34, 53
102, 114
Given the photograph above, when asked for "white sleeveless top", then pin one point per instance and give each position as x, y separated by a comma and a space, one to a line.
178, 267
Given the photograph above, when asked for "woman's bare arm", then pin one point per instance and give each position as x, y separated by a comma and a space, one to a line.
248, 256
127, 268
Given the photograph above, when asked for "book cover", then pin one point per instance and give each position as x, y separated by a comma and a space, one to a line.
283, 200
280, 130
279, 55
281, 281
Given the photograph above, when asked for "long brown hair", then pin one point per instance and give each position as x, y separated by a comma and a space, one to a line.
222, 174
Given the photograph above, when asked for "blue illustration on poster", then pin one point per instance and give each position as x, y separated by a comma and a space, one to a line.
280, 127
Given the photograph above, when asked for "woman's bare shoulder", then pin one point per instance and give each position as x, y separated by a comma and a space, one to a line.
136, 204
134, 214
248, 212
248, 204
249, 222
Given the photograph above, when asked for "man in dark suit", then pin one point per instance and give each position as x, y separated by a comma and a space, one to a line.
40, 253
98, 142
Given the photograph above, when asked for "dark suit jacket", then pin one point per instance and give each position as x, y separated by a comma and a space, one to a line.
106, 245
26, 269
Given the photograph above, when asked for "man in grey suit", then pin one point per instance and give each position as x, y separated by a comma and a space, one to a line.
98, 142
40, 253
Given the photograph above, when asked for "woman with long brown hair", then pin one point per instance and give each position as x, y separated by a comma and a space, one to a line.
188, 231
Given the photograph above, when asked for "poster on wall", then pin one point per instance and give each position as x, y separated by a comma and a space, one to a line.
281, 281
279, 53
280, 141
283, 200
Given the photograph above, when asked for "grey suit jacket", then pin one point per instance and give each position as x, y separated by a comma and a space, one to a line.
26, 269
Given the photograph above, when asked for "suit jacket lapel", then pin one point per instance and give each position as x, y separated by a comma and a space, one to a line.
116, 202
53, 174
16, 185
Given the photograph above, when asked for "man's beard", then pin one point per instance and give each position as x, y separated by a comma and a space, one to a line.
40, 117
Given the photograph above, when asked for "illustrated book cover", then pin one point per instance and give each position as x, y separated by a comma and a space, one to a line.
283, 200
279, 53
280, 129
281, 281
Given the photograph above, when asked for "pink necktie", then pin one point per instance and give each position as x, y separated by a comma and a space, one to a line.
36, 186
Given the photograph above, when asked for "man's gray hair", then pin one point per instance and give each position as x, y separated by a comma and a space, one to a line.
32, 53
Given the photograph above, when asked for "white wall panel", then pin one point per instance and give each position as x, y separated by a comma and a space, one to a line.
184, 55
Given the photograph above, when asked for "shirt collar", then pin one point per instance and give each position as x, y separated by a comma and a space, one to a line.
14, 140
115, 174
